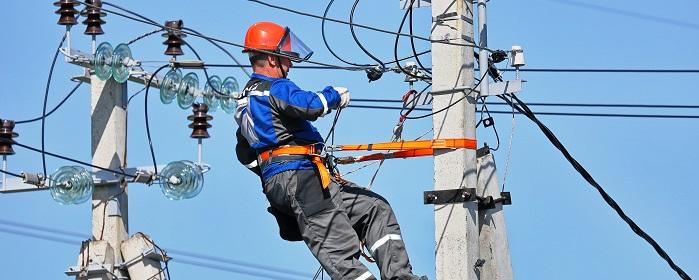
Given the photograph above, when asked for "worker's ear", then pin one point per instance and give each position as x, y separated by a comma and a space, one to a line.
272, 61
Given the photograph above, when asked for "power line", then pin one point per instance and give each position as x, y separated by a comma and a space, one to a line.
72, 160
611, 115
11, 174
48, 233
364, 26
54, 108
524, 109
551, 104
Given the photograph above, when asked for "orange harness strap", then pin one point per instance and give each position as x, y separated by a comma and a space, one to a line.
406, 149
453, 143
301, 150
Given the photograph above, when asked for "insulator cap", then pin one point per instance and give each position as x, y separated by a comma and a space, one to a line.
174, 37
200, 120
93, 19
6, 135
67, 11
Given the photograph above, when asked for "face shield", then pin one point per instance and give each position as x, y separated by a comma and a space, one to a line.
292, 47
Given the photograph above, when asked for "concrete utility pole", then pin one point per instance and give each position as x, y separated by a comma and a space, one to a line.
494, 249
456, 225
109, 150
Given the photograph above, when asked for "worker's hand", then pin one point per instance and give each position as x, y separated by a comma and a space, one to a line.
344, 96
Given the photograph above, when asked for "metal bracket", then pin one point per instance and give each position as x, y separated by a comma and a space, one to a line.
91, 269
450, 196
488, 202
505, 87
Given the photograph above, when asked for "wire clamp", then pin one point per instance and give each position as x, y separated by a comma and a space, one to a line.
488, 202
453, 196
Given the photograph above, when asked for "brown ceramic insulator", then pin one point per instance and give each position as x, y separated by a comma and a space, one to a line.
6, 135
67, 11
94, 19
174, 36
200, 120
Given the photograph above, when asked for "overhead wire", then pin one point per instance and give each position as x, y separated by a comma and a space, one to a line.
325, 41
395, 45
145, 110
520, 106
11, 174
222, 49
553, 104
356, 40
46, 97
54, 108
412, 41
365, 26
72, 160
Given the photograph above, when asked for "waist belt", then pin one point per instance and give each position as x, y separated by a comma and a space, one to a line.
310, 151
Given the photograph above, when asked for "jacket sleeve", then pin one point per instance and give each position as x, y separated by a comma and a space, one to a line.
292, 101
246, 154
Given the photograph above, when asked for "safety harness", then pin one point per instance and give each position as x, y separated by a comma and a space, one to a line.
402, 149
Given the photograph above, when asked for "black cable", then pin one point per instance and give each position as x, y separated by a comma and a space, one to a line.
72, 160
204, 36
356, 40
649, 116
145, 110
412, 41
524, 109
367, 27
325, 41
46, 97
222, 49
332, 128
451, 104
54, 108
395, 44
144, 35
11, 174
130, 12
617, 105
495, 130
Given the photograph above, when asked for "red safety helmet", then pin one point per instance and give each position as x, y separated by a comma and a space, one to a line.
269, 36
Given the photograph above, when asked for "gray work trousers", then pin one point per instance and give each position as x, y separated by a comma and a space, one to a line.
332, 222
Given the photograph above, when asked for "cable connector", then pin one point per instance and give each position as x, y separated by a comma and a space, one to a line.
488, 202
36, 179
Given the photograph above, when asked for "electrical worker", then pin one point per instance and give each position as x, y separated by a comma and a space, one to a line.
277, 141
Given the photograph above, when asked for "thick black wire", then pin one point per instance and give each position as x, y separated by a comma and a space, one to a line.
325, 41
222, 49
206, 37
72, 160
451, 104
658, 106
395, 44
356, 40
412, 41
54, 108
11, 174
145, 110
46, 97
366, 27
130, 12
484, 108
524, 109
649, 116
144, 35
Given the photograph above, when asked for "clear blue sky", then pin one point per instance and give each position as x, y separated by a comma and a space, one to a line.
558, 226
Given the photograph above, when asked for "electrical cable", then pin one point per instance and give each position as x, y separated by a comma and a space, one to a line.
144, 36
72, 160
550, 104
11, 174
332, 128
222, 49
451, 104
145, 110
325, 41
207, 37
524, 109
356, 40
365, 26
484, 109
54, 108
46, 97
651, 116
395, 44
412, 41
130, 12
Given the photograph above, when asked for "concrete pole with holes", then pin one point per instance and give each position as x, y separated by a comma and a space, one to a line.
109, 217
494, 248
456, 225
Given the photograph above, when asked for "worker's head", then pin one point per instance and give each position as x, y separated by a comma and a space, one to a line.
272, 48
